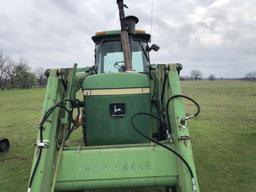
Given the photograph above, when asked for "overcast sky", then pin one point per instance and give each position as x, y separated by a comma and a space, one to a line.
214, 36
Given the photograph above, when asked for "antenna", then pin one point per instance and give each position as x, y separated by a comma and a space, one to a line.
151, 18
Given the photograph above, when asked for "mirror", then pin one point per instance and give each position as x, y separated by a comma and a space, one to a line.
153, 47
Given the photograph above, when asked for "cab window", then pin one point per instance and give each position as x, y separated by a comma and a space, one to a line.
110, 57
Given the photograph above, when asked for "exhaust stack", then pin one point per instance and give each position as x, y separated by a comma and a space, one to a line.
124, 36
131, 21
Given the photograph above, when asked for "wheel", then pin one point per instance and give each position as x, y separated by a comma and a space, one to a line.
4, 145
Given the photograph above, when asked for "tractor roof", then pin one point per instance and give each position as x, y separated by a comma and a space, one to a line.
116, 33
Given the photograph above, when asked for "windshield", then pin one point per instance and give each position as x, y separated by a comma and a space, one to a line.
110, 59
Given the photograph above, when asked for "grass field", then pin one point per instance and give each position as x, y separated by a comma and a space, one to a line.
223, 136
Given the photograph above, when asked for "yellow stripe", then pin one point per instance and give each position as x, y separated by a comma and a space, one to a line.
127, 91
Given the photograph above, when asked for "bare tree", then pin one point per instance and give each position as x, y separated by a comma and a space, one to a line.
41, 78
3, 61
24, 78
11, 73
211, 77
16, 74
184, 78
250, 76
196, 75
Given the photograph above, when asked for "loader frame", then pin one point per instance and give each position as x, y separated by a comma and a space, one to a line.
63, 168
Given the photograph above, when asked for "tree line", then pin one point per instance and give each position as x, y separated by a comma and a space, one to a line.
198, 75
18, 74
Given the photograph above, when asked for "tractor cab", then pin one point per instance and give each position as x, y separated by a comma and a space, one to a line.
109, 57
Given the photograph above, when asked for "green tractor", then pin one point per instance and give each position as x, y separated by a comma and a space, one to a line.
134, 126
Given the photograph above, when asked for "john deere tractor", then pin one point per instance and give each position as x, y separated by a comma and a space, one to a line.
132, 120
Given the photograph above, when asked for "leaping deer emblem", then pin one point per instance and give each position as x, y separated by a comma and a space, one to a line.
117, 109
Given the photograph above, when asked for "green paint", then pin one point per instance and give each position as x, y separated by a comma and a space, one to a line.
177, 112
116, 80
101, 127
104, 129
43, 177
114, 167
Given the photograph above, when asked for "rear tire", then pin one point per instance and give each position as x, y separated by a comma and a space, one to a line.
4, 145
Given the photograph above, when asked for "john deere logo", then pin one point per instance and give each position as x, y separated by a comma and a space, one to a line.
117, 110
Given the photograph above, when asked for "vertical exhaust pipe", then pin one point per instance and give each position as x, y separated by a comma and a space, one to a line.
124, 36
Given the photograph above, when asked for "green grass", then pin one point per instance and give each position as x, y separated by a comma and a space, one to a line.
223, 136
20, 112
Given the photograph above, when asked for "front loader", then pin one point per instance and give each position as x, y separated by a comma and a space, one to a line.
132, 120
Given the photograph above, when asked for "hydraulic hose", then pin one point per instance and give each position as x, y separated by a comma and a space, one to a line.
44, 119
164, 146
186, 118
